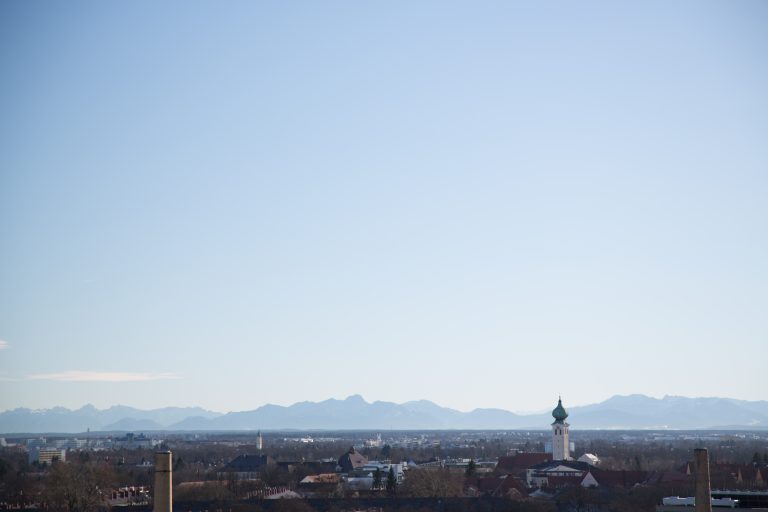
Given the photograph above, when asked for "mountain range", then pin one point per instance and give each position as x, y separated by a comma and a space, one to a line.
618, 412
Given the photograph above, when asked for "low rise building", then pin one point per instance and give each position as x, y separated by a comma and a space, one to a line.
70, 444
558, 473
518, 464
352, 460
589, 458
134, 442
246, 467
324, 485
125, 496
398, 470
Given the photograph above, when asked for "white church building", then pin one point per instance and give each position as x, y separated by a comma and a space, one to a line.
562, 469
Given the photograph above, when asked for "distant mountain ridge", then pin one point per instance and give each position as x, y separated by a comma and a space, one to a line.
618, 412
118, 417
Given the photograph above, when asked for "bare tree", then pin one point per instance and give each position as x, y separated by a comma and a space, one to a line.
429, 483
75, 488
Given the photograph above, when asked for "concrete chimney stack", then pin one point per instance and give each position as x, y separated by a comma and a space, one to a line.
703, 491
164, 481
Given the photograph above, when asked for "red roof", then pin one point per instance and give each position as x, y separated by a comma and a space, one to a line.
522, 461
747, 470
562, 481
352, 460
497, 486
610, 478
669, 476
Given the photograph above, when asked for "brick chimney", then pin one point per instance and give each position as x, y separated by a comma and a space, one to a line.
703, 492
163, 482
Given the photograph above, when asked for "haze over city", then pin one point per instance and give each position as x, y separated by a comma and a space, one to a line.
482, 205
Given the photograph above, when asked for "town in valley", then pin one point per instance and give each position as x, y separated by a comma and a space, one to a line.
562, 469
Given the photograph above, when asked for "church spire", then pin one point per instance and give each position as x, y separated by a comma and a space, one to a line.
559, 412
560, 444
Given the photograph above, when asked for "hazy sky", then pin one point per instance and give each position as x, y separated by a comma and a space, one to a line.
483, 204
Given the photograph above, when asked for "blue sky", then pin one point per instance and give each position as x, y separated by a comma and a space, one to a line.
481, 204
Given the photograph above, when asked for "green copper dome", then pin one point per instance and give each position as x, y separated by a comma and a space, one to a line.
559, 412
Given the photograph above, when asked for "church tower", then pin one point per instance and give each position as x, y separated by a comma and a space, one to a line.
560, 445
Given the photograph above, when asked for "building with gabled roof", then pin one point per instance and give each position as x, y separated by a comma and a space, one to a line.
246, 467
620, 478
320, 486
352, 460
560, 471
517, 464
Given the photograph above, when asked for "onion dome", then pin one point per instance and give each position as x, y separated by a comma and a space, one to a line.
559, 412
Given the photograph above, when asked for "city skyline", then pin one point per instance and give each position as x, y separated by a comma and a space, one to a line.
479, 205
